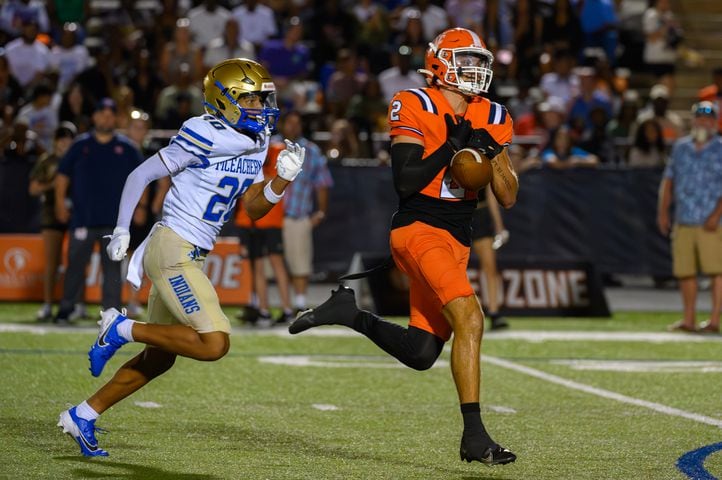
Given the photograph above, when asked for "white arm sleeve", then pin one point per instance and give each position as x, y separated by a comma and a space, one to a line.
152, 169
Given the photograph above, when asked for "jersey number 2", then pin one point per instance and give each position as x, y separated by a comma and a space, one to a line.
226, 200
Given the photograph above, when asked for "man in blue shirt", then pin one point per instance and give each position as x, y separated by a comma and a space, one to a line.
693, 180
88, 186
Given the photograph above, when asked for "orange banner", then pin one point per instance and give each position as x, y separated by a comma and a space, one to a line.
23, 261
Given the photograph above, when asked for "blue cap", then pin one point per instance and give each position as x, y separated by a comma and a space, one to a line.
106, 103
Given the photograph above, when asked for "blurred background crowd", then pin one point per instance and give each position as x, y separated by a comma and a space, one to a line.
589, 83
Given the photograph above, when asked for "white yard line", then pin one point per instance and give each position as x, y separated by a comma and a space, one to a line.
534, 336
600, 392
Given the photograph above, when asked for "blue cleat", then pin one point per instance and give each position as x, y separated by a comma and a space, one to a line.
83, 432
108, 341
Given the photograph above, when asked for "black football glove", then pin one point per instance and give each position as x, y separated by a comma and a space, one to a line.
457, 131
482, 140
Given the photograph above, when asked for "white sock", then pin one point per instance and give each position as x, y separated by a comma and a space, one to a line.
86, 412
300, 301
125, 329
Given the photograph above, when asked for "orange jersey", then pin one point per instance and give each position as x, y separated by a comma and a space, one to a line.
274, 218
419, 113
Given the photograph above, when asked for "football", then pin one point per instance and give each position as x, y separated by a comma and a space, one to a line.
470, 169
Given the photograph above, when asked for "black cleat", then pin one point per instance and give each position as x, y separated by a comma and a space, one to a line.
340, 309
493, 455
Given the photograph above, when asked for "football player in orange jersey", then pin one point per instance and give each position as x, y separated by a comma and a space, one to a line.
431, 231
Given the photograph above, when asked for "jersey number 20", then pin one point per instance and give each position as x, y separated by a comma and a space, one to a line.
225, 200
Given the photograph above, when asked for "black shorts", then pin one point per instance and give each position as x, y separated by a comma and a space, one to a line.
482, 225
262, 242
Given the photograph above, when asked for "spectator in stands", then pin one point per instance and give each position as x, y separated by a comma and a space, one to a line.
590, 97
527, 40
144, 81
181, 51
658, 108
69, 58
302, 213
487, 235
91, 175
466, 14
14, 13
552, 115
257, 22
599, 21
434, 19
596, 139
692, 182
229, 45
713, 93
76, 107
182, 89
344, 83
124, 102
561, 28
42, 178
27, 56
562, 82
330, 28
40, 115
648, 150
400, 76
620, 127
662, 36
97, 80
343, 142
286, 58
207, 20
561, 152
367, 111
413, 36
373, 35
10, 89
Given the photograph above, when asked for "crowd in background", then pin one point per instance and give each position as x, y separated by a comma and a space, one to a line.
583, 66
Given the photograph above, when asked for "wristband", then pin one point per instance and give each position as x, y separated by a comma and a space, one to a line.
270, 195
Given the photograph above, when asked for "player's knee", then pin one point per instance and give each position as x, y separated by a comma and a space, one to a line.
423, 360
424, 349
215, 349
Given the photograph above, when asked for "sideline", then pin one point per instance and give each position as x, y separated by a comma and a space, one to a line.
534, 336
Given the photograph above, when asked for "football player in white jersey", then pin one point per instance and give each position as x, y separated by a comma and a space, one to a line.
213, 160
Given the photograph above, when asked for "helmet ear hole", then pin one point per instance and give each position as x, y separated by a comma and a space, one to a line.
220, 105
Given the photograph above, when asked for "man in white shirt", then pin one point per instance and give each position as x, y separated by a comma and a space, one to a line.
69, 58
400, 76
228, 46
257, 21
28, 58
213, 160
207, 21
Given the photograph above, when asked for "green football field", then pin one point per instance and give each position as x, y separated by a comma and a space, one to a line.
573, 398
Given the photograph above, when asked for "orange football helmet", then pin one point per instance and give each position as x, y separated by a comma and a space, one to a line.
458, 59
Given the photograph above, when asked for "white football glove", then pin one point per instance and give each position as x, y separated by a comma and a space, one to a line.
290, 161
118, 243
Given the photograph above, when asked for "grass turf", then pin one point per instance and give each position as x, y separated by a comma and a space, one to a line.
245, 418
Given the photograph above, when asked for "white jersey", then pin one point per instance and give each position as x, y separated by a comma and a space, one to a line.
211, 165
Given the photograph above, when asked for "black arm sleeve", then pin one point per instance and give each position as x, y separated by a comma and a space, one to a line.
411, 171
